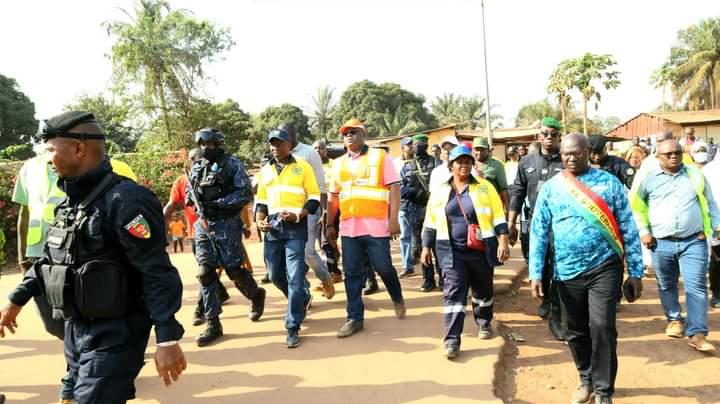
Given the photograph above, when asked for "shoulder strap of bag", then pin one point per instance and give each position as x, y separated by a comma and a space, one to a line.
459, 201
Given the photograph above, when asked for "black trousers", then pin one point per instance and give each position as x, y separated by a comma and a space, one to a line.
470, 270
715, 271
550, 289
588, 306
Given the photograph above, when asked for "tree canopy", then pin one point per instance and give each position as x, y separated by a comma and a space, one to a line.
164, 51
17, 114
378, 104
115, 117
256, 145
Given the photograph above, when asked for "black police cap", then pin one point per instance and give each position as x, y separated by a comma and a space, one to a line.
61, 126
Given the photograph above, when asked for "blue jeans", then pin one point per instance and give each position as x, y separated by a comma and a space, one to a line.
689, 257
312, 258
286, 266
355, 252
405, 241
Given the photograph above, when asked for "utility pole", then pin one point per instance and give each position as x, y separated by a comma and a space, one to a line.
487, 85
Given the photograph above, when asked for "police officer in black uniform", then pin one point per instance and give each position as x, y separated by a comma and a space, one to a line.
612, 164
219, 188
105, 269
533, 171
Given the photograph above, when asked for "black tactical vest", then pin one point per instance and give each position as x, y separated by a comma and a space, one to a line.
83, 277
213, 183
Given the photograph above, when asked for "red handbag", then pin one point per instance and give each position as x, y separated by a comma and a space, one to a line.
474, 234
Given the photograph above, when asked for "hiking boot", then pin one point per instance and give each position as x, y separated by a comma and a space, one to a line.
451, 350
582, 394
350, 328
400, 309
198, 318
675, 329
557, 329
266, 279
603, 400
715, 302
407, 273
485, 332
212, 332
328, 289
699, 342
223, 293
258, 305
319, 288
293, 339
336, 277
372, 287
428, 287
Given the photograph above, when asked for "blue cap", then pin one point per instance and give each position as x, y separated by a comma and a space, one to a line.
459, 151
281, 134
406, 141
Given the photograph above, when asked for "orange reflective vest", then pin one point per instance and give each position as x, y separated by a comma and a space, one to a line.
361, 186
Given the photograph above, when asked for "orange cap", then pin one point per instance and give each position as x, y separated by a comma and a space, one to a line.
352, 123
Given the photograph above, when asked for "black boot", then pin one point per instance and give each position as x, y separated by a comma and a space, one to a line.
557, 329
212, 332
258, 304
198, 317
372, 286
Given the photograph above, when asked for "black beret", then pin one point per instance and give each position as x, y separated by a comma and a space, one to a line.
61, 125
596, 143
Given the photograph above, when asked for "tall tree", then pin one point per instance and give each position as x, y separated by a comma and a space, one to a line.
695, 64
164, 50
561, 83
663, 78
369, 101
17, 114
321, 119
398, 123
116, 119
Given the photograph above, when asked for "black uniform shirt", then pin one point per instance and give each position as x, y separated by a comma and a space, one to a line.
533, 170
619, 168
129, 218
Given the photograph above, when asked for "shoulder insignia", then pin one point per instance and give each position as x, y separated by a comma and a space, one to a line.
630, 171
483, 189
529, 170
138, 227
297, 170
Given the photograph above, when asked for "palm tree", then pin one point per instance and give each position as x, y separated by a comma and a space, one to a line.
398, 123
446, 108
321, 120
662, 78
696, 65
532, 113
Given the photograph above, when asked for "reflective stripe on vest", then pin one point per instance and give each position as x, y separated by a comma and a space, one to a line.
480, 195
362, 190
285, 192
698, 180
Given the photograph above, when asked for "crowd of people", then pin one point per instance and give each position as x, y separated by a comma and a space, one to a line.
93, 243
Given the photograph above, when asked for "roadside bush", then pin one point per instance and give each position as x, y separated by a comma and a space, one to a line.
156, 170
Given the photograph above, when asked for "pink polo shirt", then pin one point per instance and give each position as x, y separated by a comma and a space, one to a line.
366, 226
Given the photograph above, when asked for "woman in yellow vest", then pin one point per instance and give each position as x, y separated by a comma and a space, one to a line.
466, 223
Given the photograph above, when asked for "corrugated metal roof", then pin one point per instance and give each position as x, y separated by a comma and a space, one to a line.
500, 133
685, 117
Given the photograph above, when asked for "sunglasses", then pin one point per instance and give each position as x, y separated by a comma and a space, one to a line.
554, 133
671, 153
352, 132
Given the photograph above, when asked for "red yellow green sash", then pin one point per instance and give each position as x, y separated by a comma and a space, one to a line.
595, 210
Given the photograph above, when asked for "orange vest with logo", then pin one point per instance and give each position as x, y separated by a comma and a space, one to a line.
363, 193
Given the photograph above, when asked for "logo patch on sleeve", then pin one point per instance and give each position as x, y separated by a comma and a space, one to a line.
139, 227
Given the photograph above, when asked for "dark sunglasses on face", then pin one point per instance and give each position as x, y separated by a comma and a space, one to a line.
671, 153
351, 133
554, 133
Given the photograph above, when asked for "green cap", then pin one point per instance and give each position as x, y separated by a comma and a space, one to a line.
420, 137
548, 122
481, 142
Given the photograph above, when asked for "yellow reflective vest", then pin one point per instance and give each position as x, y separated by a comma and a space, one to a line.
361, 185
289, 190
